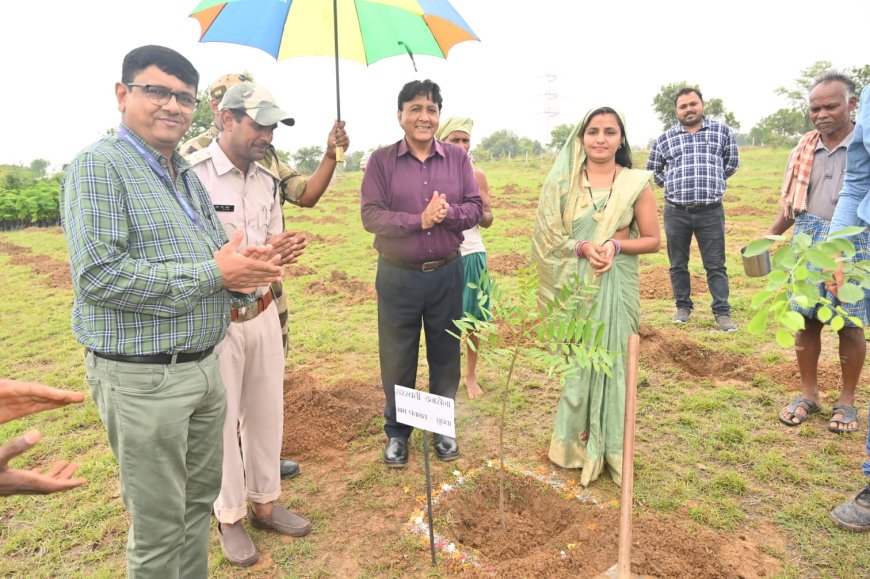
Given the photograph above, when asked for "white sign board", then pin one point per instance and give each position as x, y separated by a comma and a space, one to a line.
425, 411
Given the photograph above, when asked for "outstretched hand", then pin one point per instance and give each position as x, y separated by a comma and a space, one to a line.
57, 477
290, 245
246, 272
19, 399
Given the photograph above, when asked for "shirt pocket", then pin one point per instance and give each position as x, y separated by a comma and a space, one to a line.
452, 188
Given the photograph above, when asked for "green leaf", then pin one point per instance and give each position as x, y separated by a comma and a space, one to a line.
851, 293
757, 247
760, 298
758, 323
784, 339
792, 320
820, 259
801, 241
824, 314
846, 231
802, 301
776, 279
837, 324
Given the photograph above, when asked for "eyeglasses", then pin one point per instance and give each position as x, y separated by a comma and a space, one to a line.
160, 95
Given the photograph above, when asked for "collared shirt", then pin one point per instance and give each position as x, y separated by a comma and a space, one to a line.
145, 278
397, 187
693, 167
246, 201
826, 178
853, 207
292, 182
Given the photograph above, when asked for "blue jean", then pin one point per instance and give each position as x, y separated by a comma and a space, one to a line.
707, 224
866, 465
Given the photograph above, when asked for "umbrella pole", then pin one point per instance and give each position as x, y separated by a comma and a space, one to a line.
339, 151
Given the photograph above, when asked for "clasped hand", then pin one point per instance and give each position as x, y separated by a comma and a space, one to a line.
600, 257
253, 267
436, 211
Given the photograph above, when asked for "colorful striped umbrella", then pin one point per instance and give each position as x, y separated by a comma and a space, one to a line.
369, 30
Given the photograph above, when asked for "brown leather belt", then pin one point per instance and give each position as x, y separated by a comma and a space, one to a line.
426, 266
164, 359
252, 311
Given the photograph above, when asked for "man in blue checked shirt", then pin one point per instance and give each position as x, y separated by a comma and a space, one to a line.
154, 280
691, 161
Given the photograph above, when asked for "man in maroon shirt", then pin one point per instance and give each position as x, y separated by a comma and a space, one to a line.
418, 196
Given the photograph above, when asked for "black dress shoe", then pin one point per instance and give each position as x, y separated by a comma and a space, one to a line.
396, 453
446, 448
289, 468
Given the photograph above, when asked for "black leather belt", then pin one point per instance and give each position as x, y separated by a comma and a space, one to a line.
693, 208
426, 266
180, 358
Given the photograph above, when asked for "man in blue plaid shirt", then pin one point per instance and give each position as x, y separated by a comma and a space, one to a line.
154, 280
691, 161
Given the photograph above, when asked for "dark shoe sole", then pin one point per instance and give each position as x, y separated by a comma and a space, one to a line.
447, 457
395, 464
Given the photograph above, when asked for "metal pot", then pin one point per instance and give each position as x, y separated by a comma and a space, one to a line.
756, 265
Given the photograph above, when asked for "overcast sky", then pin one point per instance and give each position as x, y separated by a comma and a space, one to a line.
62, 58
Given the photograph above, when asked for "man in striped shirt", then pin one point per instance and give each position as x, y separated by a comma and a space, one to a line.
154, 280
691, 161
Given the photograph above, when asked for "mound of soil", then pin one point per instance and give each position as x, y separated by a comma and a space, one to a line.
519, 232
507, 263
655, 284
671, 348
56, 273
321, 422
546, 535
352, 291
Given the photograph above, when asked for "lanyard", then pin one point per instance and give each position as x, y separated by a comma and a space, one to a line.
164, 176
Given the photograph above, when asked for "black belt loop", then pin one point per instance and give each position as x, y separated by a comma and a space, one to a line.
164, 359
426, 266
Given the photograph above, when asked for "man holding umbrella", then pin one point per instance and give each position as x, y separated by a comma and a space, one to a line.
418, 196
294, 187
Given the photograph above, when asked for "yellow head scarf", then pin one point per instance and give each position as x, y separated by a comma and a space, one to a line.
454, 124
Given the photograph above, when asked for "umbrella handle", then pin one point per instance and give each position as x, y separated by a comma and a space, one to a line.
339, 154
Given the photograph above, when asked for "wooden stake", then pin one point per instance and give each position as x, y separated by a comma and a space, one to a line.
624, 561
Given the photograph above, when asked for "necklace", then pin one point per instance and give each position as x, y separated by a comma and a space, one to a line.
599, 211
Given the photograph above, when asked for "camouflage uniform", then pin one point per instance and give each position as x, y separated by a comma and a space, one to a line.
291, 184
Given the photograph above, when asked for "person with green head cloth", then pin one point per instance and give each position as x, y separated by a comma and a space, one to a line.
457, 131
595, 216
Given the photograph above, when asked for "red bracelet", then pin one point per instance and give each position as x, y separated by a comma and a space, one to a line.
578, 248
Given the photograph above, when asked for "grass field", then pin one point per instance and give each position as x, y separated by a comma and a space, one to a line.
710, 452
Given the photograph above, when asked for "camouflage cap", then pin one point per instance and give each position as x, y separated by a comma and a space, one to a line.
219, 87
257, 102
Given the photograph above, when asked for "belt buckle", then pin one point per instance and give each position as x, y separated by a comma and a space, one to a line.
430, 266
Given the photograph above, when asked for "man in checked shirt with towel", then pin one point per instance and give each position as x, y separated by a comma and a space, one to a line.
811, 188
691, 161
154, 280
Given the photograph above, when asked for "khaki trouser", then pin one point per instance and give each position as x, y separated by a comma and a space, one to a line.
252, 366
164, 424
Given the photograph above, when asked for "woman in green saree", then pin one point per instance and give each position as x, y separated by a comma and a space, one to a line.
595, 216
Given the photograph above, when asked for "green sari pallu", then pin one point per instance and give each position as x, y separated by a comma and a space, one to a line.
588, 431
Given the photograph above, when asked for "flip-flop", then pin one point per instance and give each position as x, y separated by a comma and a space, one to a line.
849, 413
808, 405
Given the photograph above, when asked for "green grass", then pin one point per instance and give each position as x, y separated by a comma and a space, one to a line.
709, 448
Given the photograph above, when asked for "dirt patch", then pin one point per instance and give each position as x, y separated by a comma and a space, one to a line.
297, 270
546, 535
748, 210
55, 273
320, 422
655, 284
507, 263
353, 291
672, 348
